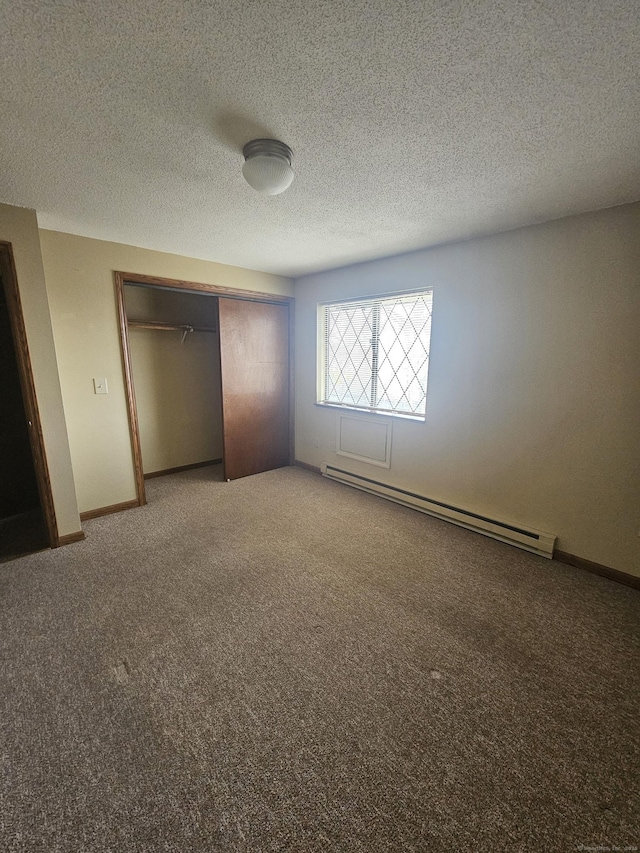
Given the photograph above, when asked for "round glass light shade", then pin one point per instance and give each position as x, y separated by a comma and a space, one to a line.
268, 173
267, 166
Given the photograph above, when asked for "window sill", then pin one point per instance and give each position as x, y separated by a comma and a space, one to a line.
375, 412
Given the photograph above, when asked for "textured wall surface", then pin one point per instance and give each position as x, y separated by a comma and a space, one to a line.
533, 405
412, 123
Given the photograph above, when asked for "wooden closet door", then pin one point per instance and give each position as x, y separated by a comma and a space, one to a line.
254, 360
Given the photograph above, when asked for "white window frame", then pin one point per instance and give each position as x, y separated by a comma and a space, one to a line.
322, 396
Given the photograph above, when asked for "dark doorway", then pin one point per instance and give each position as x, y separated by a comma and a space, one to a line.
22, 525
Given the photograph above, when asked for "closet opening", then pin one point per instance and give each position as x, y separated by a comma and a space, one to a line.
207, 376
27, 517
175, 363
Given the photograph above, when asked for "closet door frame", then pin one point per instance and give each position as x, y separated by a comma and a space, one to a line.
122, 278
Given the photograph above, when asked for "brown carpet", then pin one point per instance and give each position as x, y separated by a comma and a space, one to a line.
283, 663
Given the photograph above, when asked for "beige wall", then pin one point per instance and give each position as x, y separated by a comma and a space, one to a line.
533, 410
79, 276
19, 227
177, 385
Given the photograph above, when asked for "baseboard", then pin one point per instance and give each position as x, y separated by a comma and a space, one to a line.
107, 510
597, 569
182, 468
69, 539
307, 466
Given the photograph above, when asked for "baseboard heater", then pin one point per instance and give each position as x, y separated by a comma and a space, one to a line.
522, 537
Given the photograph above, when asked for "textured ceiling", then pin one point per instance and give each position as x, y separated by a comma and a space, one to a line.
412, 123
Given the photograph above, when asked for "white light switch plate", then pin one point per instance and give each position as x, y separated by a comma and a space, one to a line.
100, 386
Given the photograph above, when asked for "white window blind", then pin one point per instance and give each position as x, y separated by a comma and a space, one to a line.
374, 353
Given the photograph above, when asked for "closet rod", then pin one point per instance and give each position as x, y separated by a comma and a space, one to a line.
185, 328
175, 327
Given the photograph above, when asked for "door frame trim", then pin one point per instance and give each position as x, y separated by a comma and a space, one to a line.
27, 384
122, 278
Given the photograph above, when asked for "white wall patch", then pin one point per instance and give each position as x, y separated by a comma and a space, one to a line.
367, 439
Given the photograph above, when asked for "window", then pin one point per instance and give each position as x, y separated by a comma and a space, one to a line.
374, 353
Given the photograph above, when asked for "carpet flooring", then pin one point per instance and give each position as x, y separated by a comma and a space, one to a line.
283, 663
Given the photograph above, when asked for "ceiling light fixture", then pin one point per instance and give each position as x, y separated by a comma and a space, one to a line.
267, 166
